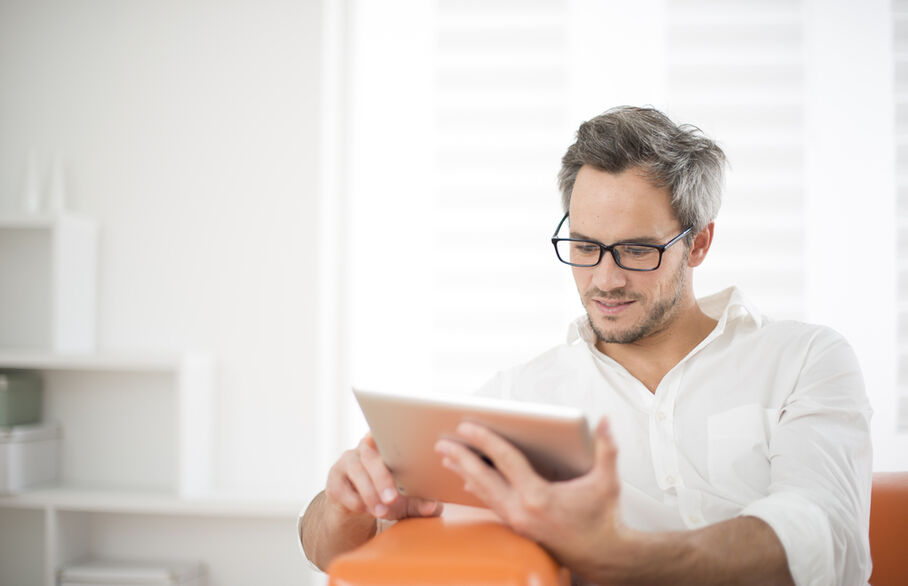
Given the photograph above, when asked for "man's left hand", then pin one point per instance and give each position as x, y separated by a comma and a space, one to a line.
576, 520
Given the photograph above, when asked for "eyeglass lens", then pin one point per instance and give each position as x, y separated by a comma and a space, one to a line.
630, 256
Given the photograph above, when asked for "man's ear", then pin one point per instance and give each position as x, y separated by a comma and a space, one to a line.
700, 247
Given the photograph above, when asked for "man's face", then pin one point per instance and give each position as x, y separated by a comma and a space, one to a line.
627, 306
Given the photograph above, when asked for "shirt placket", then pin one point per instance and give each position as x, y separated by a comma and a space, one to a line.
664, 450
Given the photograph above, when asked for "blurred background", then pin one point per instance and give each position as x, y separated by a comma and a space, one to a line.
325, 193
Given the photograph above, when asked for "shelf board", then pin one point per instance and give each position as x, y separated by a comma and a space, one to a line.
41, 220
154, 503
90, 362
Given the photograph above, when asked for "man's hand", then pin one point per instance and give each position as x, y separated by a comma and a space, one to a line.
575, 520
360, 483
360, 489
578, 521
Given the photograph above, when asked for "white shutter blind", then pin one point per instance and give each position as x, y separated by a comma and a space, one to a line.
499, 294
735, 69
900, 46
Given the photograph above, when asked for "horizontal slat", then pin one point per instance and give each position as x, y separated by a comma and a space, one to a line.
501, 117
501, 60
494, 142
740, 36
530, 77
543, 18
780, 57
758, 76
474, 8
459, 101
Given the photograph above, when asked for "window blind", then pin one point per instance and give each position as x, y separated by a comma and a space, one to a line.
736, 71
500, 295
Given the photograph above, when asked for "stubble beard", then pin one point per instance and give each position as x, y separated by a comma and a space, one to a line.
662, 313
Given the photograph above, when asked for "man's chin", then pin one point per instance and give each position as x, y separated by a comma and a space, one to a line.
607, 331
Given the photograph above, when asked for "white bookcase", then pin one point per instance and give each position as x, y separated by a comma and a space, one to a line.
137, 453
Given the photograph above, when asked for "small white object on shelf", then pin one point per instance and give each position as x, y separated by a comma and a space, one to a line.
93, 571
28, 456
56, 185
31, 184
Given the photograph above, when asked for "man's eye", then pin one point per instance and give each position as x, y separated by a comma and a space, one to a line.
637, 251
585, 248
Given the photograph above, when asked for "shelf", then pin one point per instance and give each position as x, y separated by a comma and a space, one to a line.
157, 503
23, 220
90, 362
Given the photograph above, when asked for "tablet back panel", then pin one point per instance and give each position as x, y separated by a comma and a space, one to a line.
555, 439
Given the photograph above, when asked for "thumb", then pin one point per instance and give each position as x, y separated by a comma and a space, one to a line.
418, 507
605, 457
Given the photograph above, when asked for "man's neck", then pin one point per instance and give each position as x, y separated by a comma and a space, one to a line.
649, 359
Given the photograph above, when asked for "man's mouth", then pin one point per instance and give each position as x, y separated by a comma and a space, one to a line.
611, 307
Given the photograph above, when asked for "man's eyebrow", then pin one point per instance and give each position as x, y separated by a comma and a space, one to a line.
635, 240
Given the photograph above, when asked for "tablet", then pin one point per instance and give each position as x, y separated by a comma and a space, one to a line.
555, 439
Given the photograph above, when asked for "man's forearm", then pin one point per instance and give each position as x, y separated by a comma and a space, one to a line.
741, 551
327, 531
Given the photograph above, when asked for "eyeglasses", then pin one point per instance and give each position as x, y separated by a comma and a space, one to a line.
628, 255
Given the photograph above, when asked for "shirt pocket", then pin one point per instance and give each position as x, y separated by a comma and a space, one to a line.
738, 451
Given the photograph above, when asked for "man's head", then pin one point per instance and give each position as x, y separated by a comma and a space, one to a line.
678, 158
634, 177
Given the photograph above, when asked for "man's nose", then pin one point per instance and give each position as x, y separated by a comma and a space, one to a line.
607, 275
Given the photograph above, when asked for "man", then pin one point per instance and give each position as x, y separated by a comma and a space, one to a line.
730, 449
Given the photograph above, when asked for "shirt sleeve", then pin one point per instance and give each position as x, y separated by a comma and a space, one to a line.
821, 469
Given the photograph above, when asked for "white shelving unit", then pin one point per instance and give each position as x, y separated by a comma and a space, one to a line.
137, 452
91, 394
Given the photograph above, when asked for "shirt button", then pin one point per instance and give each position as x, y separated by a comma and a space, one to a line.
670, 480
660, 415
695, 519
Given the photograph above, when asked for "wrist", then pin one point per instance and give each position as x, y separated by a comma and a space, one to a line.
624, 560
340, 517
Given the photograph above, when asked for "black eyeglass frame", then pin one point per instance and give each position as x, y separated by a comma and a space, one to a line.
603, 248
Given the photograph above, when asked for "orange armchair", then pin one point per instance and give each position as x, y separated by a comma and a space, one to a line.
443, 552
889, 529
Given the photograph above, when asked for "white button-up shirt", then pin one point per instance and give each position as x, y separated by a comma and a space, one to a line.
763, 418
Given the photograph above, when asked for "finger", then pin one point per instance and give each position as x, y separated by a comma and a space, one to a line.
362, 483
339, 490
605, 463
509, 461
480, 479
382, 480
418, 507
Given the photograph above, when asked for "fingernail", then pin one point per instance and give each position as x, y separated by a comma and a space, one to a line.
388, 495
465, 428
380, 510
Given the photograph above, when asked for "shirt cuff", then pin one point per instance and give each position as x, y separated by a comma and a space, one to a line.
804, 531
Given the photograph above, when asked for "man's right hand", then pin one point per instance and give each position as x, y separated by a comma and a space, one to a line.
360, 489
360, 483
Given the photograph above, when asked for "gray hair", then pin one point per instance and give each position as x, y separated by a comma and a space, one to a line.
679, 158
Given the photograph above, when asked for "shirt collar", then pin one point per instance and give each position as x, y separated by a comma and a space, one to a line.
726, 307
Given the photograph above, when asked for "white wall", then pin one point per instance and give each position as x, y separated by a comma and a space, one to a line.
190, 131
